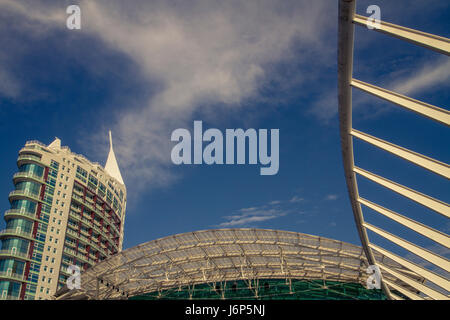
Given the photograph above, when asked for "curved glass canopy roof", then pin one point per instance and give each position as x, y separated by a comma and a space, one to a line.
222, 255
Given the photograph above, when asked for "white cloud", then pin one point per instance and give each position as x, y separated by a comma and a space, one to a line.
201, 53
429, 75
295, 199
331, 197
242, 220
246, 216
9, 87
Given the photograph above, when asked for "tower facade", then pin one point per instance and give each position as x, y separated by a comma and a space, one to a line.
65, 210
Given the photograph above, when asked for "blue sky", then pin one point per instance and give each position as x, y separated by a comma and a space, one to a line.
150, 67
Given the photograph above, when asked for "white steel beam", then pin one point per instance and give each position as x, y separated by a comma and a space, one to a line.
407, 293
437, 260
422, 108
427, 40
417, 285
427, 201
429, 275
418, 227
414, 157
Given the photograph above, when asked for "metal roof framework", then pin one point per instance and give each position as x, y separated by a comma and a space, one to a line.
419, 290
220, 255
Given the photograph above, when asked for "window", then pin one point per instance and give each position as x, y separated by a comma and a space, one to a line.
53, 260
48, 290
45, 268
59, 193
56, 241
46, 258
54, 250
54, 165
43, 278
51, 270
48, 248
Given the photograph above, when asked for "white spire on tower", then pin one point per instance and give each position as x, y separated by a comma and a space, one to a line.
56, 144
111, 166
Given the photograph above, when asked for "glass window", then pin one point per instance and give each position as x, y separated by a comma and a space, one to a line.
32, 168
54, 164
21, 225
29, 186
24, 205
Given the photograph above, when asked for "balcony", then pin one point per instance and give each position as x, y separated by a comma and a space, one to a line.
78, 256
17, 233
28, 158
7, 297
11, 276
14, 254
19, 213
19, 176
76, 216
20, 194
83, 239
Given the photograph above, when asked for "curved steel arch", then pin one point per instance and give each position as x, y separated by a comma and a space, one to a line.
223, 255
417, 289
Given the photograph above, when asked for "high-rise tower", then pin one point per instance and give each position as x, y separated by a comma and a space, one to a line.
65, 210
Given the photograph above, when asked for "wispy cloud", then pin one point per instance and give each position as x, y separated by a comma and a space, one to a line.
198, 54
272, 210
244, 217
295, 199
9, 87
331, 197
203, 53
429, 75
413, 81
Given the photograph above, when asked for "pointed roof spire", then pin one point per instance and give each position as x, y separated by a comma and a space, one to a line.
56, 144
111, 166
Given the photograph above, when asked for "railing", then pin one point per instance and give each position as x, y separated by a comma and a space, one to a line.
91, 242
20, 212
79, 256
16, 232
24, 193
29, 157
13, 276
14, 254
7, 297
28, 175
419, 282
